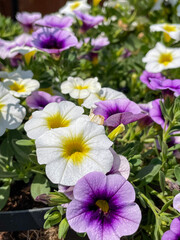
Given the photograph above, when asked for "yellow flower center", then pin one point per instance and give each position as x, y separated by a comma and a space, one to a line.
1, 106
169, 28
17, 87
75, 149
81, 87
56, 121
165, 58
103, 205
75, 5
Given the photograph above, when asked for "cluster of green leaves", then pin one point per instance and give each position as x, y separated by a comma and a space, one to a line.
8, 28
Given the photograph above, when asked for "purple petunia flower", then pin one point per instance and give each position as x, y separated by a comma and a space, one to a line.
120, 165
6, 46
118, 111
39, 99
53, 40
174, 232
55, 21
88, 20
147, 120
96, 43
27, 19
147, 78
156, 113
167, 84
176, 202
104, 207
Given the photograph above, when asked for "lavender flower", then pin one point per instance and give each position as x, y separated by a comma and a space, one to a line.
174, 232
27, 19
55, 21
147, 78
103, 206
176, 202
118, 111
88, 20
167, 84
39, 99
6, 46
53, 40
156, 113
96, 43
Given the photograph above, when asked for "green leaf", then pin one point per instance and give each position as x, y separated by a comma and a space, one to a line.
82, 235
25, 142
4, 194
162, 180
63, 228
47, 224
177, 173
175, 147
166, 205
147, 174
39, 186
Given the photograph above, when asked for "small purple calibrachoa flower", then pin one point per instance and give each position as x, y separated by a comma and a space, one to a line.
167, 84
104, 207
39, 99
55, 21
156, 113
147, 78
27, 19
88, 20
174, 232
117, 111
53, 40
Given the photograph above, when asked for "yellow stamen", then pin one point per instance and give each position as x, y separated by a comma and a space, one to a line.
75, 149
103, 205
17, 87
165, 58
169, 28
116, 132
75, 5
28, 56
56, 121
81, 87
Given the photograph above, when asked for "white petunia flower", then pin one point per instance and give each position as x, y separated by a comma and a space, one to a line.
80, 89
70, 6
54, 115
24, 50
11, 113
170, 30
21, 87
70, 153
18, 73
161, 58
158, 4
102, 95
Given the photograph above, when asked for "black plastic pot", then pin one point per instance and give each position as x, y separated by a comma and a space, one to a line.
23, 220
